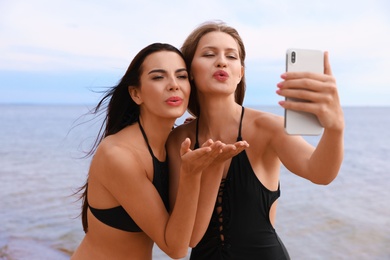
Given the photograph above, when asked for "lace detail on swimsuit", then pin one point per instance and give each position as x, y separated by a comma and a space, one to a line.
221, 219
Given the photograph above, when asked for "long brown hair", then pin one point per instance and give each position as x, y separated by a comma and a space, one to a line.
189, 47
120, 109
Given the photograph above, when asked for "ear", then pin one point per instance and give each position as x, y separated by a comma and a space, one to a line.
242, 74
135, 95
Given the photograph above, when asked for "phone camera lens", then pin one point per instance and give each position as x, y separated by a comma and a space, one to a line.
293, 57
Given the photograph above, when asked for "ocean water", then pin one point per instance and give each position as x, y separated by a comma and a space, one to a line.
41, 167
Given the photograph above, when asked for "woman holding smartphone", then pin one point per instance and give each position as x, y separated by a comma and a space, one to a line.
238, 196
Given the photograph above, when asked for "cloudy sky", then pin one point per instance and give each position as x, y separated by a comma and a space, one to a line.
63, 51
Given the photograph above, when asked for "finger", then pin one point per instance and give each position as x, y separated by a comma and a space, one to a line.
201, 158
237, 146
327, 68
231, 150
185, 146
312, 95
302, 83
242, 144
228, 148
301, 106
210, 147
209, 142
201, 152
217, 145
301, 74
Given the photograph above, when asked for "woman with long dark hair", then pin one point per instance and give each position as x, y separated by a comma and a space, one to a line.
125, 206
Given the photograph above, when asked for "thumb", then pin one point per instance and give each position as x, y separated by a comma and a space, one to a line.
185, 146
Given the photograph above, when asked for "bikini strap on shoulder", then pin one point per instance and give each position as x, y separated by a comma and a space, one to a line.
145, 137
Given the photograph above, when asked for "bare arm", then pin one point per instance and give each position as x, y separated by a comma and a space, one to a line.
210, 182
126, 179
321, 164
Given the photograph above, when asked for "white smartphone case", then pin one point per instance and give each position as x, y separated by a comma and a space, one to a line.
296, 122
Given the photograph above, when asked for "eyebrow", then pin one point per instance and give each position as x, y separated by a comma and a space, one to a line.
214, 48
164, 71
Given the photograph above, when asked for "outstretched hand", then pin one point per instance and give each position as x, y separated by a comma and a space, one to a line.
195, 161
320, 90
230, 150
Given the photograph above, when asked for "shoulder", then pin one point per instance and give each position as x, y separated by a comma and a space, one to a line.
113, 156
181, 132
111, 147
264, 120
262, 126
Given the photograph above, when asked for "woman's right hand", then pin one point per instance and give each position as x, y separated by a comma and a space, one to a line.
210, 153
321, 92
230, 150
194, 161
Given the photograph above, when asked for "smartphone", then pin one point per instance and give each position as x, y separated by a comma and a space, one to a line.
297, 122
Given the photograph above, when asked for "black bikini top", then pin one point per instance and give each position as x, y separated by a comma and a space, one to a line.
117, 217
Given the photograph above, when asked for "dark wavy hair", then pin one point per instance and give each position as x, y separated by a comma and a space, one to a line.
189, 47
120, 109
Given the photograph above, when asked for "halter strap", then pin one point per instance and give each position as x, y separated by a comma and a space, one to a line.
146, 138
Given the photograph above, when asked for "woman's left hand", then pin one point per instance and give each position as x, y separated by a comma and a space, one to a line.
319, 92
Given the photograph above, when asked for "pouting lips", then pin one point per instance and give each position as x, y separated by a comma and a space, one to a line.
221, 75
174, 101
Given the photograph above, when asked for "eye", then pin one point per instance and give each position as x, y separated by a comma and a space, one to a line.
232, 56
157, 77
182, 76
208, 54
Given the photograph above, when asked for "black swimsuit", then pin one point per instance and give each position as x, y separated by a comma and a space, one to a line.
242, 228
117, 217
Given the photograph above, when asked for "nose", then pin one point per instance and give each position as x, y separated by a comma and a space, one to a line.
173, 84
221, 61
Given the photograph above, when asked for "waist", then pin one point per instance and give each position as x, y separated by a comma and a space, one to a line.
115, 244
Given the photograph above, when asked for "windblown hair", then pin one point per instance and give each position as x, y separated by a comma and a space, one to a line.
120, 109
189, 48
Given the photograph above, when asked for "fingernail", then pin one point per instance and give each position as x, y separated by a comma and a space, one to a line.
284, 75
279, 85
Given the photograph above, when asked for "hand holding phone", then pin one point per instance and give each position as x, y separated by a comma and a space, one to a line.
298, 122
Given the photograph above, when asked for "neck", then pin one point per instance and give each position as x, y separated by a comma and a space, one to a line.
219, 121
